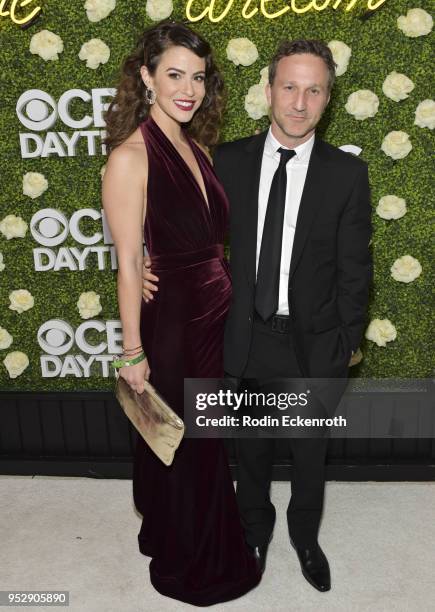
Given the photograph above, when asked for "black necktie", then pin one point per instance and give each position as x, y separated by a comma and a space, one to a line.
267, 288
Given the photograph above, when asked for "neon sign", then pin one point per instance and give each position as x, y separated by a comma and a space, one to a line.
252, 7
12, 12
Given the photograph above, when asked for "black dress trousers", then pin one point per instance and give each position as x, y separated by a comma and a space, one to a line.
271, 356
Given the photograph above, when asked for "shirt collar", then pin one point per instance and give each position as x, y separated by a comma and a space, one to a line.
303, 151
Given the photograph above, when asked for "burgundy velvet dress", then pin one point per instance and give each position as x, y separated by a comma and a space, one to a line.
191, 526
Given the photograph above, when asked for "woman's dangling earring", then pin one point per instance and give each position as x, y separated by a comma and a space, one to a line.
150, 95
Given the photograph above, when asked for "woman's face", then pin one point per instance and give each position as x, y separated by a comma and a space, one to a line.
178, 82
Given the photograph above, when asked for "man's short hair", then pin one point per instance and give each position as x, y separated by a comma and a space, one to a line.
293, 47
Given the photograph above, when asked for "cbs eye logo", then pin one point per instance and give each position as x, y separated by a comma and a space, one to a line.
36, 110
49, 227
59, 337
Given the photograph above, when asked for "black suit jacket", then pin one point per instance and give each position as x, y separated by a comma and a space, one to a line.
331, 266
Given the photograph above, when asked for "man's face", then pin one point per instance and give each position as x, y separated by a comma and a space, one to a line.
298, 95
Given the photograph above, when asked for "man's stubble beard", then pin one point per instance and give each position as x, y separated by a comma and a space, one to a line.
297, 136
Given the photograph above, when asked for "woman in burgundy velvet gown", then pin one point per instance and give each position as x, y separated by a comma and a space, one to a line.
191, 526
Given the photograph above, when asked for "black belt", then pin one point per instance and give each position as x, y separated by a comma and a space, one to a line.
277, 323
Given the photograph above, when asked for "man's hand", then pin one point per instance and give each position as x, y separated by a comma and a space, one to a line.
147, 276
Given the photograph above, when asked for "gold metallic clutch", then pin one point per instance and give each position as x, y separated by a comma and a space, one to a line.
160, 427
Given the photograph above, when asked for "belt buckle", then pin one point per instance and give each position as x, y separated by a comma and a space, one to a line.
276, 324
279, 324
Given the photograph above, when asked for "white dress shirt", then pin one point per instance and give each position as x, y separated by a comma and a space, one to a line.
296, 174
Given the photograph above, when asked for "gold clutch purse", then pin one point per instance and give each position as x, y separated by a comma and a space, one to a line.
160, 427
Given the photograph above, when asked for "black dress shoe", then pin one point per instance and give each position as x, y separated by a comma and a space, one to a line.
260, 553
314, 566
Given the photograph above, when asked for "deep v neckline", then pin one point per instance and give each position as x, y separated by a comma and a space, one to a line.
205, 197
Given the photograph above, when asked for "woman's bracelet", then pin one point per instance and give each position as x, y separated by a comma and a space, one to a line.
118, 362
129, 350
132, 353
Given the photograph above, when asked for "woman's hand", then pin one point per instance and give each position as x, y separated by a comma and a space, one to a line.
136, 374
148, 277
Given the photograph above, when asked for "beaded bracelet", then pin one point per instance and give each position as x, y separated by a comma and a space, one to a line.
120, 363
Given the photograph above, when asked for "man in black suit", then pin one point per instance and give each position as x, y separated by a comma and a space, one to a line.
301, 269
300, 289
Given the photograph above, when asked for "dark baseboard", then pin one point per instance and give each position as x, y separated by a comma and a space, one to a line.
87, 434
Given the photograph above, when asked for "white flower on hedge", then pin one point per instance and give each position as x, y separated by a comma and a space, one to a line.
397, 86
15, 363
94, 52
256, 104
34, 184
5, 338
362, 104
416, 23
21, 300
13, 227
264, 75
96, 10
102, 171
242, 51
391, 207
2, 265
46, 44
89, 304
159, 9
425, 114
341, 55
406, 269
396, 144
381, 331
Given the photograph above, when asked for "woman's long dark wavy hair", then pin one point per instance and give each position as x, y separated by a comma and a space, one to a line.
129, 106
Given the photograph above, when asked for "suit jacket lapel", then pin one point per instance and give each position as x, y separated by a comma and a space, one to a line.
313, 195
252, 171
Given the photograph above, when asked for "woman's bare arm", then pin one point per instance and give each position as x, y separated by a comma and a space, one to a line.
124, 202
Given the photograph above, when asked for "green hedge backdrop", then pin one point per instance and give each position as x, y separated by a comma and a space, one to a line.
378, 47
